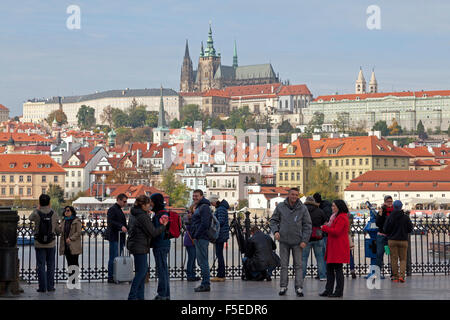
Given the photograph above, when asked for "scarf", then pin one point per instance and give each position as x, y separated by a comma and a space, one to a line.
333, 216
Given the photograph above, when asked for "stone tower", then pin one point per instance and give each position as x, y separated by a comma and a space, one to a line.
187, 73
235, 57
208, 64
360, 85
373, 85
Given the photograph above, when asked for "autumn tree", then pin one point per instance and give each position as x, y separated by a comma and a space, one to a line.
394, 128
107, 115
322, 181
86, 117
178, 192
61, 117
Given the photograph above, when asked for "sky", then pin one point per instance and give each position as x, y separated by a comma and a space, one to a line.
140, 44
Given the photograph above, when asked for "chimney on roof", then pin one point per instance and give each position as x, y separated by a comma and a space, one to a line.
148, 146
395, 143
316, 137
377, 134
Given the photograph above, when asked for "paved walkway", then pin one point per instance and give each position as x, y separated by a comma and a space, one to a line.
416, 288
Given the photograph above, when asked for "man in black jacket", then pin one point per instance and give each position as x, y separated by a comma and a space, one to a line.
325, 206
201, 220
260, 258
116, 222
382, 239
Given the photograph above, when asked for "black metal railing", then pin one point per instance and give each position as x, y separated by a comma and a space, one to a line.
428, 253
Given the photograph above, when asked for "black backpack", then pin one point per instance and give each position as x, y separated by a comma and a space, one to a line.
45, 234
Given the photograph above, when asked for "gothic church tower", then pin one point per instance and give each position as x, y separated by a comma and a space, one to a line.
187, 73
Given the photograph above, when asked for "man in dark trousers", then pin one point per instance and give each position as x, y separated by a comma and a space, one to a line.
116, 222
382, 239
201, 220
325, 206
260, 259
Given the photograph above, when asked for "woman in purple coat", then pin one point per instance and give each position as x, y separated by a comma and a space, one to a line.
190, 247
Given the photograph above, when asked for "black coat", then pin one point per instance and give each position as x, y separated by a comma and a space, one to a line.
260, 252
141, 231
326, 208
115, 221
201, 220
381, 219
318, 217
397, 226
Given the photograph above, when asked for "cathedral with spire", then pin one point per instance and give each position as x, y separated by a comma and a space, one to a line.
360, 84
211, 74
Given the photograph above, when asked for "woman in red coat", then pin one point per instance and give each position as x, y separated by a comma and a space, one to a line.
338, 248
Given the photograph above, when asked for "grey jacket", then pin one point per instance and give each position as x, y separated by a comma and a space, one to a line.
294, 225
34, 217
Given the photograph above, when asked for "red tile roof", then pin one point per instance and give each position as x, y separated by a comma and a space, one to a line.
84, 154
404, 176
2, 107
35, 163
350, 146
191, 94
399, 186
300, 89
442, 152
426, 163
253, 90
418, 152
363, 96
130, 190
23, 137
216, 93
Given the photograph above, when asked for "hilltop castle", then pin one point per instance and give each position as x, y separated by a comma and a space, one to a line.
211, 74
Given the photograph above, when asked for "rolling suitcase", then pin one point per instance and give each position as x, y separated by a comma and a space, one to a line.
123, 266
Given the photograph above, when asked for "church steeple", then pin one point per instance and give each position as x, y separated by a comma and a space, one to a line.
210, 51
161, 115
360, 85
202, 52
187, 73
373, 84
186, 51
235, 57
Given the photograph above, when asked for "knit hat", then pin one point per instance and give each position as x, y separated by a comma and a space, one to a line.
387, 197
311, 200
213, 197
398, 205
158, 200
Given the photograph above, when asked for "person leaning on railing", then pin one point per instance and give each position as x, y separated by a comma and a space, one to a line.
70, 244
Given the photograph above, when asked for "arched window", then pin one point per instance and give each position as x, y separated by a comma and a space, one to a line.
286, 104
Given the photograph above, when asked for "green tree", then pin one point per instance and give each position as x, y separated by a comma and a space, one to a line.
175, 124
421, 130
61, 117
285, 127
242, 204
152, 119
86, 117
177, 191
137, 116
142, 134
322, 181
189, 114
119, 118
56, 194
381, 126
341, 123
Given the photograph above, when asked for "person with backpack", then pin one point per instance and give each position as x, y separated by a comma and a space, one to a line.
201, 222
161, 247
221, 214
70, 244
46, 228
190, 247
397, 227
116, 222
318, 218
140, 234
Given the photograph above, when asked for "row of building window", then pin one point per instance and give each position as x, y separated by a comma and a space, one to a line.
73, 173
285, 163
395, 195
73, 184
12, 193
21, 178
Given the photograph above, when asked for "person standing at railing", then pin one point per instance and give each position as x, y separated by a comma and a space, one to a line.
382, 240
70, 244
190, 247
338, 249
291, 226
141, 232
221, 214
116, 222
397, 227
46, 228
161, 247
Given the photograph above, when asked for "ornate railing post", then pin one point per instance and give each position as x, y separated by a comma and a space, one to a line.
247, 225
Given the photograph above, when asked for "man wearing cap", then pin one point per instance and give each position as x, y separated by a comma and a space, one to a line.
397, 227
382, 240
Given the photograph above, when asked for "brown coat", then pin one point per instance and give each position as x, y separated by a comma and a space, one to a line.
75, 246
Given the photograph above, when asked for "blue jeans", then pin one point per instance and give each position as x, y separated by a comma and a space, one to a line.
220, 260
352, 261
113, 253
381, 242
138, 285
190, 272
46, 277
317, 246
161, 255
201, 247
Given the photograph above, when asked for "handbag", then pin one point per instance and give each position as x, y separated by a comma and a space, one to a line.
317, 233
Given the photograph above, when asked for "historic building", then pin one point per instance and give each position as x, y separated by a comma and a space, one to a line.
211, 74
